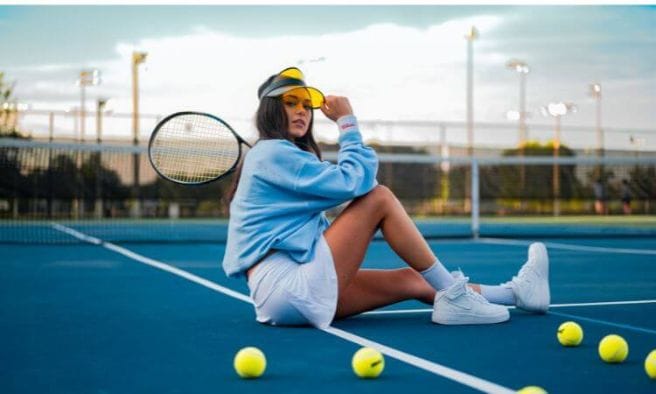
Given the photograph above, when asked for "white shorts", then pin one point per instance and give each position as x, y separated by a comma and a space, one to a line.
287, 293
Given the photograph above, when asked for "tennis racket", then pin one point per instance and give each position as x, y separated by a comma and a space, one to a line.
193, 148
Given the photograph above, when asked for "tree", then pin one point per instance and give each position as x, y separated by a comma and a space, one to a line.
8, 109
500, 181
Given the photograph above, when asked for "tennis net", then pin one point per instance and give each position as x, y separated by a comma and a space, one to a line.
52, 192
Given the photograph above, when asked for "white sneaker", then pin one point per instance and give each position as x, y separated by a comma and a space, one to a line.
531, 285
458, 304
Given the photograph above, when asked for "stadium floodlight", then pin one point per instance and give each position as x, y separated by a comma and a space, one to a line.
521, 68
472, 34
512, 115
595, 89
87, 78
557, 111
137, 59
518, 66
595, 92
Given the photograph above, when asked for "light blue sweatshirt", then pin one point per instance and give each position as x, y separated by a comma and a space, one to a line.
284, 191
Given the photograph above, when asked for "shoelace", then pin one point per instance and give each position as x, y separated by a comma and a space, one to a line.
459, 276
524, 271
471, 293
525, 268
476, 296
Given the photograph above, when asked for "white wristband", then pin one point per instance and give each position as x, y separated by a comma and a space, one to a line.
347, 123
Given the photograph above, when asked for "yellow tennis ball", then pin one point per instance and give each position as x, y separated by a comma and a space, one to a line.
532, 390
368, 363
650, 364
250, 363
613, 349
570, 334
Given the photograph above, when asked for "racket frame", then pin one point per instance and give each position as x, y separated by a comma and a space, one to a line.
216, 118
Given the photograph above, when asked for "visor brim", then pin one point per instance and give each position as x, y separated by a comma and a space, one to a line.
316, 97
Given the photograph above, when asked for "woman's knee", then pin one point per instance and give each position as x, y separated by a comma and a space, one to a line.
380, 195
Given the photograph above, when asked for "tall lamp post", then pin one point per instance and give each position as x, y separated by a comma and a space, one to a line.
137, 59
595, 92
100, 108
87, 78
557, 110
471, 35
101, 103
522, 69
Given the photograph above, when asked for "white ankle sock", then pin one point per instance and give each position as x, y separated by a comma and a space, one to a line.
498, 294
437, 276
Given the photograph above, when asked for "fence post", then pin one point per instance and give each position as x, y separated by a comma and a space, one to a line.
475, 199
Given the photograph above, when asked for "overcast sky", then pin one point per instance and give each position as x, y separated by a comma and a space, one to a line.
393, 62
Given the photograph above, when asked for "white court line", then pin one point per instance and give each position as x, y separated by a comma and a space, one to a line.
557, 245
426, 310
441, 370
449, 373
76, 234
154, 263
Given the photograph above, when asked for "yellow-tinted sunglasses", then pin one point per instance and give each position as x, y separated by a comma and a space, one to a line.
289, 79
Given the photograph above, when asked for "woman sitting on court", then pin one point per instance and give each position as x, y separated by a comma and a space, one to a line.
302, 269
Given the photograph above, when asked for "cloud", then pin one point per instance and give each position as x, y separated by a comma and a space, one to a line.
388, 71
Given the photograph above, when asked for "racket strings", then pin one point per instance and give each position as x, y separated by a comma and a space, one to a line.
194, 148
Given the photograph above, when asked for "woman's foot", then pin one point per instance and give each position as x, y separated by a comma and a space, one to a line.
458, 304
531, 285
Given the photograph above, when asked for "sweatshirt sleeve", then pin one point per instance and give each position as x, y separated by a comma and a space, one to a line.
302, 172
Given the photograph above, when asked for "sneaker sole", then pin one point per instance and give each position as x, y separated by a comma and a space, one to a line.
471, 320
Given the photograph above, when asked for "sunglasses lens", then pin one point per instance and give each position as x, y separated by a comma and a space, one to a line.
316, 97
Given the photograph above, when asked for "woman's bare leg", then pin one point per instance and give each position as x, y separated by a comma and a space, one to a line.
371, 289
350, 235
352, 231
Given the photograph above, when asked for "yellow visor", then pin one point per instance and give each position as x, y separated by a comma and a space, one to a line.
289, 79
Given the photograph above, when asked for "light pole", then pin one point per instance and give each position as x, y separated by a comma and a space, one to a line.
522, 69
74, 112
595, 92
137, 59
638, 143
557, 110
98, 207
445, 167
87, 78
471, 35
101, 103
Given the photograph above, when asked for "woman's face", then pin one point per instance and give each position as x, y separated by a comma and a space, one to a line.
299, 111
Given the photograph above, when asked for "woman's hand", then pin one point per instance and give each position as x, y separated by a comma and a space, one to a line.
334, 107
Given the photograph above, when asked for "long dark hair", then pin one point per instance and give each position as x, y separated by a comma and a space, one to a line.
271, 122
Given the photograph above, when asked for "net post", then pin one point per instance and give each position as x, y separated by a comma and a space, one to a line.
475, 199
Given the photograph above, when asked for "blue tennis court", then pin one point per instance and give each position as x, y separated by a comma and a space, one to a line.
115, 317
